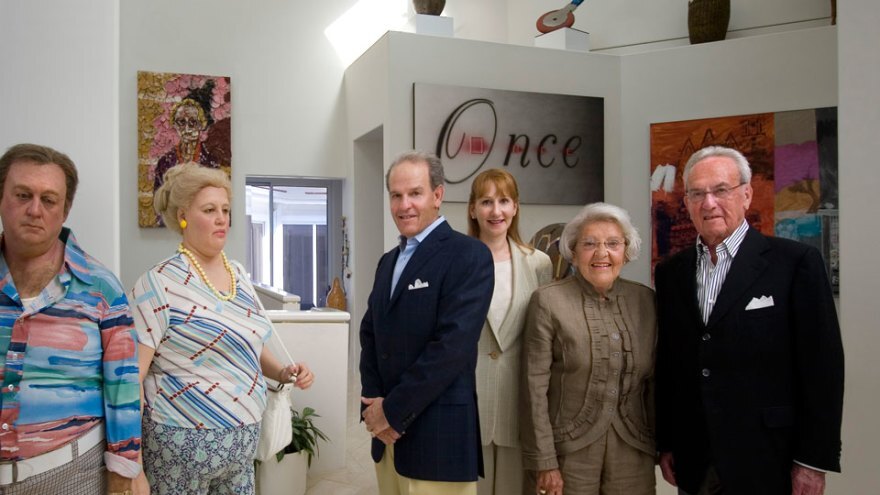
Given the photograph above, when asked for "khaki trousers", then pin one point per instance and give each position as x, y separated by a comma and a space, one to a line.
504, 471
608, 466
391, 483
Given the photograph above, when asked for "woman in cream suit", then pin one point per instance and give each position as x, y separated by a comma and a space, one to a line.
493, 211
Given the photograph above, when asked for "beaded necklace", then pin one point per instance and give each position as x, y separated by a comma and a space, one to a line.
181, 249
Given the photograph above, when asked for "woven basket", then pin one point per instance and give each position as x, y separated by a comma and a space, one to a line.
707, 20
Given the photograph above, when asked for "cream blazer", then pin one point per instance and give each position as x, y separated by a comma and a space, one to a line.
498, 361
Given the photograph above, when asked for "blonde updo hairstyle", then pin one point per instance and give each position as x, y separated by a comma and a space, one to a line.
181, 184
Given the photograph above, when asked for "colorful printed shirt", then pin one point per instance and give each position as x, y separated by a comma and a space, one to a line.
206, 370
68, 361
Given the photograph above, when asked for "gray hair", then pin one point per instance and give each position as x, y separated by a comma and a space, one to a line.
435, 167
745, 172
600, 212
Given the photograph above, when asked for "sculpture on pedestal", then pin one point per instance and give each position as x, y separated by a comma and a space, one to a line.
558, 19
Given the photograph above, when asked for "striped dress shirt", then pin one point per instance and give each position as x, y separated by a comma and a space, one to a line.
710, 277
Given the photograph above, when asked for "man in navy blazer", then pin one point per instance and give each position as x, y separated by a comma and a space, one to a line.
419, 342
749, 358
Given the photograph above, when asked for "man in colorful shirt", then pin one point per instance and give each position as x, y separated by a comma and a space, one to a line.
68, 360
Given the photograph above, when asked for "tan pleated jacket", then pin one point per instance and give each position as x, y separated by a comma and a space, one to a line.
498, 361
588, 365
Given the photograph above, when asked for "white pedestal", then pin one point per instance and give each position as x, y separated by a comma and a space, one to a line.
287, 477
320, 338
564, 39
433, 25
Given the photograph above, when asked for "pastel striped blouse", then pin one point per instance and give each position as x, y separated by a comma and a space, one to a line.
206, 368
68, 361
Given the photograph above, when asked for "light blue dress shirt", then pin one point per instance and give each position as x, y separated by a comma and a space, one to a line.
408, 248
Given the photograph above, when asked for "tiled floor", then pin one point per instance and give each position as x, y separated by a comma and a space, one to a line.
358, 477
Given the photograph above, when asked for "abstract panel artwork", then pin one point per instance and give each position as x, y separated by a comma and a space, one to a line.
181, 118
794, 176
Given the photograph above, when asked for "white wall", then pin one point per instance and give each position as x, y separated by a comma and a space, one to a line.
58, 87
859, 128
484, 20
287, 106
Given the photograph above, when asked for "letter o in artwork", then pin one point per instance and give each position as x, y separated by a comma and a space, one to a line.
457, 136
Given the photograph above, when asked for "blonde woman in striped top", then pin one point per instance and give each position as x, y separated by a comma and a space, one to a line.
201, 330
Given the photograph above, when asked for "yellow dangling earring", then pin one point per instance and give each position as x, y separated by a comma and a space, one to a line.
182, 224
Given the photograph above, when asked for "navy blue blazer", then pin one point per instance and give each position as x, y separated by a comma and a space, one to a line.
754, 389
419, 352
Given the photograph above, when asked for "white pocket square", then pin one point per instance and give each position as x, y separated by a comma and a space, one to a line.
418, 284
760, 302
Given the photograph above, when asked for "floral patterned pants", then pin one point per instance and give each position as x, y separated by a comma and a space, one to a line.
187, 461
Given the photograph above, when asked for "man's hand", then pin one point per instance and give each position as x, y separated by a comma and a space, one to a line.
806, 481
377, 424
388, 436
667, 467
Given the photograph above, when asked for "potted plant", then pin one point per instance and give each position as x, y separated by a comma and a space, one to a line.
286, 473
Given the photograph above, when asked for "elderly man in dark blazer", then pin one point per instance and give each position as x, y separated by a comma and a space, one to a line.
749, 360
419, 342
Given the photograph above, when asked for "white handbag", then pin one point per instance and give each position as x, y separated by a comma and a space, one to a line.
276, 431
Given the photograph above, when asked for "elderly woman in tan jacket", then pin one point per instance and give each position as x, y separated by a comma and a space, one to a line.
588, 363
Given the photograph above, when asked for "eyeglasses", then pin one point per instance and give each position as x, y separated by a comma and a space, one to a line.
720, 193
589, 244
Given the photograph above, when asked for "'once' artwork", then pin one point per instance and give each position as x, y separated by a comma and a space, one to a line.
552, 144
181, 118
794, 176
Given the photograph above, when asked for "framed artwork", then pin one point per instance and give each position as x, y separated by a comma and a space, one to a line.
793, 156
181, 118
552, 144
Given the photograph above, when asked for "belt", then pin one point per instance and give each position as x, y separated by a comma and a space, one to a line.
16, 471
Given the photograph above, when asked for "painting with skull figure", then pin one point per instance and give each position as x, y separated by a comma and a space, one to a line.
181, 118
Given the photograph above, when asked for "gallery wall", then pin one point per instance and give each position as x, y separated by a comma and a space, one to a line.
68, 80
286, 79
792, 70
624, 27
781, 71
58, 87
859, 128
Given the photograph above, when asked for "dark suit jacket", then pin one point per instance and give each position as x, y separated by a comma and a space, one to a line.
752, 390
419, 352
